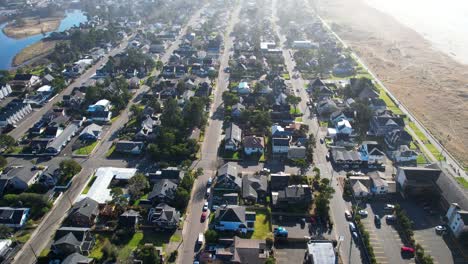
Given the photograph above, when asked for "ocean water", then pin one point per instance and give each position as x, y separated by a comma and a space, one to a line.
443, 22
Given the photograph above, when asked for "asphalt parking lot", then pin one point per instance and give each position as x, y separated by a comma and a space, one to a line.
296, 230
441, 248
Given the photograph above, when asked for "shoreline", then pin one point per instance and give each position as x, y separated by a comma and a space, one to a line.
429, 82
33, 26
33, 51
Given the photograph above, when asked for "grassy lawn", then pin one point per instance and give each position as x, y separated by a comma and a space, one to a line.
86, 150
390, 104
262, 224
232, 155
110, 151
295, 111
114, 118
462, 182
15, 150
286, 76
323, 123
97, 253
175, 238
418, 132
141, 238
421, 159
434, 151
23, 236
298, 119
137, 202
86, 189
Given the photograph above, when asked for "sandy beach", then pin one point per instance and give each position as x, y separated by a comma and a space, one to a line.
431, 83
32, 26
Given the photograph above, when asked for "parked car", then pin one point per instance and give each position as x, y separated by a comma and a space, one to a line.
355, 235
205, 207
440, 229
321, 141
407, 250
210, 181
208, 192
363, 213
377, 220
352, 227
201, 239
390, 218
347, 215
389, 207
203, 216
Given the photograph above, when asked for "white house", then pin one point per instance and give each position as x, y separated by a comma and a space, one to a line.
457, 219
101, 105
360, 190
379, 184
253, 144
404, 154
344, 127
303, 44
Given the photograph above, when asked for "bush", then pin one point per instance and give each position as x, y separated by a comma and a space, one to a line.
211, 236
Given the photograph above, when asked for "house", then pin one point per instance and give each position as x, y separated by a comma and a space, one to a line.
228, 178
368, 93
173, 174
233, 138
457, 220
14, 217
57, 144
5, 90
237, 110
254, 188
379, 184
341, 115
377, 104
14, 112
77, 258
69, 240
25, 81
74, 100
280, 146
91, 132
230, 199
326, 106
101, 105
320, 251
240, 250
303, 44
347, 158
148, 128
234, 218
371, 153
343, 127
84, 213
129, 219
404, 155
99, 190
253, 145
20, 177
297, 152
129, 147
164, 216
278, 131
320, 90
360, 190
163, 191
385, 122
416, 181
47, 79
292, 195
279, 181
396, 138
243, 88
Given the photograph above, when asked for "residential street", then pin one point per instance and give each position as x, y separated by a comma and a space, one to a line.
349, 252
43, 234
209, 155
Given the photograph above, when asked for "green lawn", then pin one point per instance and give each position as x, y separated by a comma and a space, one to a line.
232, 155
298, 119
262, 224
141, 238
86, 189
24, 237
323, 123
137, 202
462, 181
110, 151
421, 159
175, 238
434, 151
86, 150
390, 104
418, 132
286, 76
295, 111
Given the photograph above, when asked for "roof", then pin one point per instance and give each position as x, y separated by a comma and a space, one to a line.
92, 129
233, 132
228, 169
317, 83
420, 174
228, 173
87, 207
359, 187
24, 172
231, 213
12, 215
64, 137
321, 252
280, 141
76, 258
167, 213
104, 175
163, 187
128, 146
253, 142
251, 251
251, 184
63, 234
279, 181
345, 155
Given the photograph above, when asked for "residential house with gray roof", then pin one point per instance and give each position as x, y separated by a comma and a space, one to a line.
254, 188
69, 240
163, 191
228, 179
234, 218
164, 216
84, 213
233, 137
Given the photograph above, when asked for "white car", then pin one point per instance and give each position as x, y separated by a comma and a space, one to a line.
440, 229
363, 213
347, 215
352, 227
205, 207
389, 207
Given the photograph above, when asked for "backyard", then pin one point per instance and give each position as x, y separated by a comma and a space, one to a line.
262, 224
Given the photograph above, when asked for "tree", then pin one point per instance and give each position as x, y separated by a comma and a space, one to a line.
3, 162
147, 254
137, 185
211, 236
159, 65
69, 168
182, 197
230, 99
294, 100
7, 142
5, 232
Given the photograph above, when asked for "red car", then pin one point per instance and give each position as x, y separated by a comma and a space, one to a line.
203, 216
407, 250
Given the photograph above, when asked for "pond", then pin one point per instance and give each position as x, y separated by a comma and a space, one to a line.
9, 47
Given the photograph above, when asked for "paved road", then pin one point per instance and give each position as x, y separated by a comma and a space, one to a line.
42, 235
348, 250
209, 159
37, 114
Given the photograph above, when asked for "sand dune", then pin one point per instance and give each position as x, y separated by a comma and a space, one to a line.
430, 83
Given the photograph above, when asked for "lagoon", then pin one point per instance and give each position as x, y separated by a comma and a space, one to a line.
9, 47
